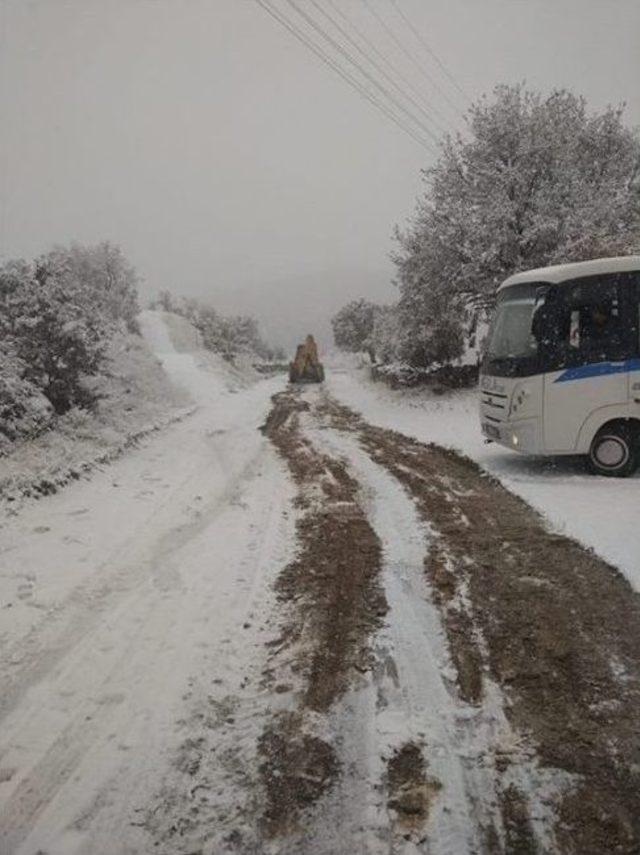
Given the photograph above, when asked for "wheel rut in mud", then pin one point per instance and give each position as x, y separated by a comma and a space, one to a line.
333, 603
439, 672
555, 627
410, 789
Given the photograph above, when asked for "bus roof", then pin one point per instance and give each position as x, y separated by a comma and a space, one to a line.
563, 272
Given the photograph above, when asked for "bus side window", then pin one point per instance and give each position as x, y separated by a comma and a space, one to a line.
597, 328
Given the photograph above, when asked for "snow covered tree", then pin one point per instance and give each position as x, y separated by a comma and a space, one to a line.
537, 180
24, 410
165, 301
102, 277
47, 331
188, 307
353, 327
386, 336
210, 324
57, 316
230, 336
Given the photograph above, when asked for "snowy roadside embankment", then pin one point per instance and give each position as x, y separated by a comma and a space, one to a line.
135, 398
203, 374
600, 513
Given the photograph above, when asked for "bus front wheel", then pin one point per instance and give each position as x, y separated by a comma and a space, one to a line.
614, 450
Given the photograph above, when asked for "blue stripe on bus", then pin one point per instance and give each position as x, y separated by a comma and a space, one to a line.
598, 369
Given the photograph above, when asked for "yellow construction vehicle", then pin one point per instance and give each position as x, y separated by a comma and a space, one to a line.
306, 367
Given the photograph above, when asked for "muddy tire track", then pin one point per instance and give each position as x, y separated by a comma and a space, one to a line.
410, 788
297, 769
333, 604
553, 625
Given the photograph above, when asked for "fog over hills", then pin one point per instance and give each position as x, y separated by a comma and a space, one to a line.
230, 163
288, 308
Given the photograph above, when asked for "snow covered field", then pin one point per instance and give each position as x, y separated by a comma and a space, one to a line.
599, 512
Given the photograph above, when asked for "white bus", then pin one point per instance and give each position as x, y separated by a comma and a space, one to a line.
560, 372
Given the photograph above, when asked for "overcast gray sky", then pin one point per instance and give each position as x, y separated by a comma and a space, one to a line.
229, 162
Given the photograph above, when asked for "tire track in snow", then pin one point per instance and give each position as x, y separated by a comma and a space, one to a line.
332, 604
412, 695
116, 579
122, 693
544, 616
208, 799
497, 764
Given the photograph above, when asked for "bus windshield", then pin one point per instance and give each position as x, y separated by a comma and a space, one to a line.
511, 335
512, 347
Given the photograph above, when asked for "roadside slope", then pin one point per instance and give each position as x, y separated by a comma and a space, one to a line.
135, 398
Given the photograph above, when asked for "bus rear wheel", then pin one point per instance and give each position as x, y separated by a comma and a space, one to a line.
614, 451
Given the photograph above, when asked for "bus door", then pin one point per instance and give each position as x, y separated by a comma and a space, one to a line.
589, 363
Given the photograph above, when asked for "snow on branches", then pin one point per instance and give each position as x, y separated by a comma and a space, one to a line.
533, 181
57, 316
537, 180
231, 336
353, 327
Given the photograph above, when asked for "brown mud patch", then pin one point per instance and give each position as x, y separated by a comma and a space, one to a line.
411, 791
463, 645
518, 833
556, 627
333, 585
332, 591
296, 770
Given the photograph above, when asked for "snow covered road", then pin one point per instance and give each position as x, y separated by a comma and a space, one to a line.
115, 595
278, 627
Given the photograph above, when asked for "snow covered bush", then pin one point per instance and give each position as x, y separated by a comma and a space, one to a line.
132, 397
101, 277
48, 327
386, 337
353, 327
230, 336
243, 337
165, 301
24, 410
536, 181
57, 316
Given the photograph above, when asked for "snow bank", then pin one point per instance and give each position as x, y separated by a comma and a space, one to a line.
135, 398
601, 513
203, 374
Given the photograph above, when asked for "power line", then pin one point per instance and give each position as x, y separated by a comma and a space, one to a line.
402, 77
410, 56
431, 52
363, 71
376, 65
345, 75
